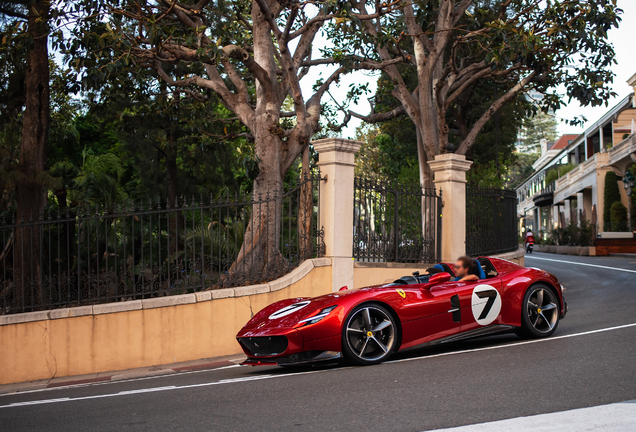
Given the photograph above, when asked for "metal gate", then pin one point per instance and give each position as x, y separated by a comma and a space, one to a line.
396, 222
491, 221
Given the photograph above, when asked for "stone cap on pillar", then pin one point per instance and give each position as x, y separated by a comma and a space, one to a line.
450, 167
337, 151
336, 144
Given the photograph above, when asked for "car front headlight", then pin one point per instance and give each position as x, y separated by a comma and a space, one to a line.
318, 316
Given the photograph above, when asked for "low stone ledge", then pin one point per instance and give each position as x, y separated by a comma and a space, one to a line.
292, 277
60, 313
124, 306
321, 262
158, 302
365, 264
519, 253
24, 317
251, 290
222, 293
202, 296
80, 311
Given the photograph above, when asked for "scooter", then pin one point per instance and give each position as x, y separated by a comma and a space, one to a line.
529, 246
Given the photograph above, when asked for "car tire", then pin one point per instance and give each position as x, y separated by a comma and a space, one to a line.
540, 312
369, 335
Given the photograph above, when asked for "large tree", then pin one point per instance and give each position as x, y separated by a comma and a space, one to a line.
453, 45
536, 128
28, 28
250, 55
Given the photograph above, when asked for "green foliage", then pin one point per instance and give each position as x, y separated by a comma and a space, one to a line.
397, 148
618, 217
587, 233
573, 235
488, 174
611, 195
564, 43
537, 127
386, 155
557, 172
520, 168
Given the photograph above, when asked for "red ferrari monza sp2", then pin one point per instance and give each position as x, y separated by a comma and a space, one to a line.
366, 326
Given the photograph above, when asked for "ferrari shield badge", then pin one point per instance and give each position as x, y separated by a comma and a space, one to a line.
401, 292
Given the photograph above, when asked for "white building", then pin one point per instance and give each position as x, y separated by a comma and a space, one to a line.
609, 144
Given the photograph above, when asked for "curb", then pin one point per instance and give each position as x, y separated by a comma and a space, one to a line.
119, 375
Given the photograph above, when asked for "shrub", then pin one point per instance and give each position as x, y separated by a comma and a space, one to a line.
573, 235
618, 217
587, 233
612, 194
558, 171
558, 236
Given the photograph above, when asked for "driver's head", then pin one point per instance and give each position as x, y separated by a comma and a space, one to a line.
463, 267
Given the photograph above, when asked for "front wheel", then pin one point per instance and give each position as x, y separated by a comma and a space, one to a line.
539, 312
369, 335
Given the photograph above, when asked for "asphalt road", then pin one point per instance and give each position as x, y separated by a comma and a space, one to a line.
589, 361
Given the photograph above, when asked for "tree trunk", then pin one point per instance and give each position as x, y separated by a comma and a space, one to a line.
305, 209
259, 257
425, 170
173, 200
29, 193
171, 177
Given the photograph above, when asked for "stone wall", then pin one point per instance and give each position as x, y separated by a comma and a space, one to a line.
138, 333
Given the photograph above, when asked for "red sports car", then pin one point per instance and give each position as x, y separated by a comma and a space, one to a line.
367, 325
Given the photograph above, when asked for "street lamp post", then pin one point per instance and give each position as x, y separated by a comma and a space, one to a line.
628, 184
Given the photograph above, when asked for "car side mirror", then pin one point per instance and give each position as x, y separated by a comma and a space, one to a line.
438, 278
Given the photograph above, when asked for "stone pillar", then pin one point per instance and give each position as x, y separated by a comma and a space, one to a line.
579, 207
587, 203
336, 162
598, 189
450, 176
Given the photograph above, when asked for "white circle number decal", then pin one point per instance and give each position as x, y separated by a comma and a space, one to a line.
486, 304
289, 309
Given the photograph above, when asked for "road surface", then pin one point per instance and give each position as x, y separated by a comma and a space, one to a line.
589, 362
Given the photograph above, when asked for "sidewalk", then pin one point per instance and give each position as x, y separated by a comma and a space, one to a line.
623, 255
167, 369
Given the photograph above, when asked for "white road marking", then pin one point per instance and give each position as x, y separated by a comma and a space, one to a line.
517, 343
261, 377
617, 417
583, 264
70, 386
137, 391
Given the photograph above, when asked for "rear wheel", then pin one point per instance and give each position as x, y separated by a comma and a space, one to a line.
539, 313
369, 335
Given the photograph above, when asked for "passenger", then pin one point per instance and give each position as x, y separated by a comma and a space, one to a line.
465, 270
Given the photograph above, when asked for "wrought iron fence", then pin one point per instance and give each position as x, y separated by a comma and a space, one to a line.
396, 222
491, 221
134, 251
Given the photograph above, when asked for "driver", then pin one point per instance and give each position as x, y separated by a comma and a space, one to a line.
465, 270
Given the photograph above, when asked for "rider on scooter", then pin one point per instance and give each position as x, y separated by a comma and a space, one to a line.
529, 239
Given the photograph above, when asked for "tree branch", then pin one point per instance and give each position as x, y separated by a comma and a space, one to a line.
479, 124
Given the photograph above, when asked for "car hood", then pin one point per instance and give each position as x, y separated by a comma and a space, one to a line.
285, 314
